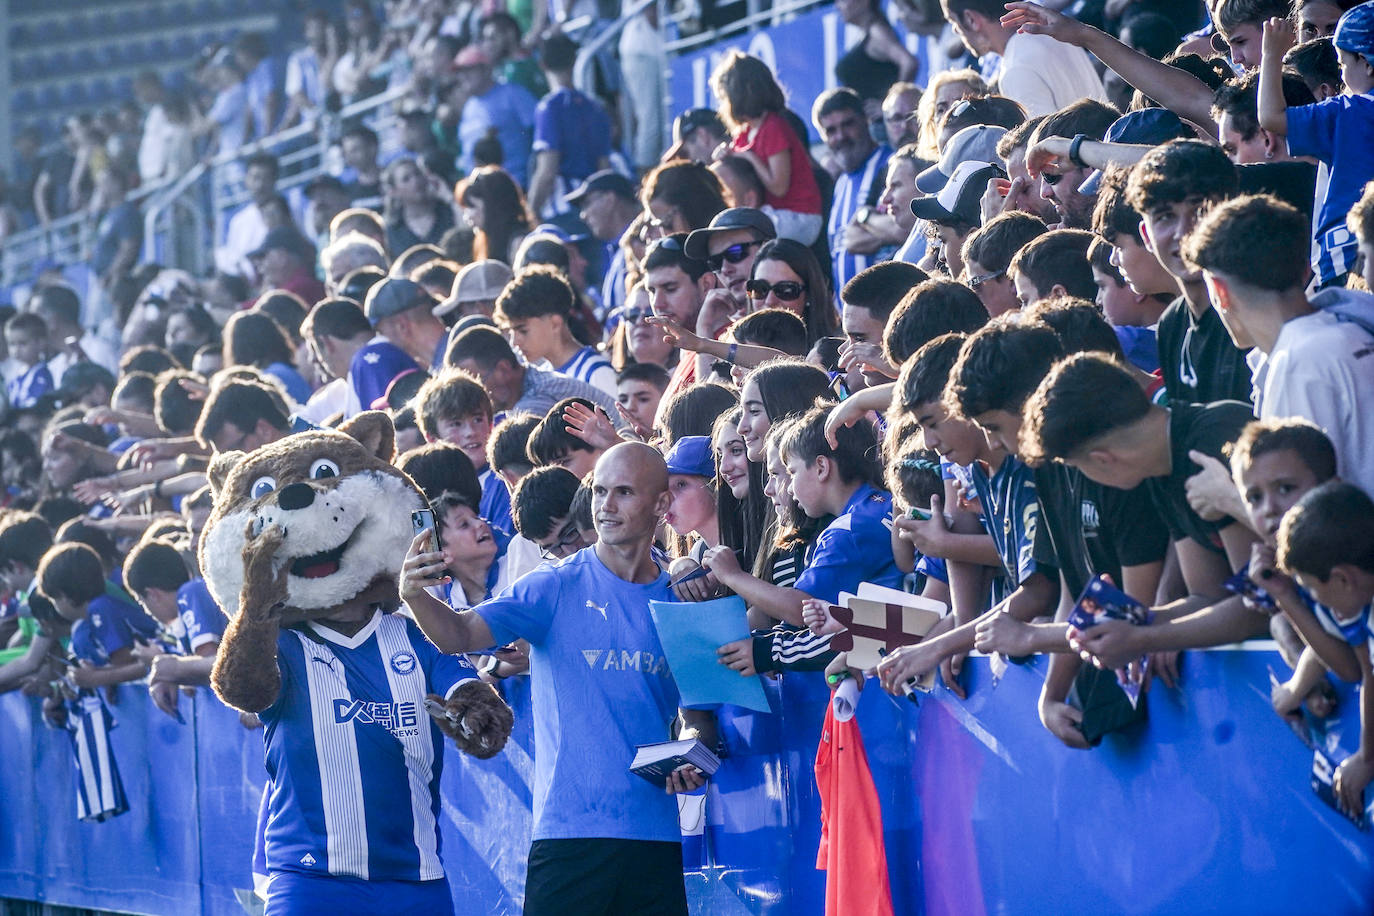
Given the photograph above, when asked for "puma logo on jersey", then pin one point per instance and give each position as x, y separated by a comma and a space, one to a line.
599, 608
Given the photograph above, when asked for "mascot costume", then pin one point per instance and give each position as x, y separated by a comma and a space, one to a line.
303, 550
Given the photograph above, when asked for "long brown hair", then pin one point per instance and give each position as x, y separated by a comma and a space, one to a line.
504, 211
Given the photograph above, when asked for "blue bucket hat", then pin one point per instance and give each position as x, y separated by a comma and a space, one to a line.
691, 455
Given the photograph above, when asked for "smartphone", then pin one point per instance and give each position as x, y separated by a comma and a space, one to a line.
916, 512
423, 520
840, 386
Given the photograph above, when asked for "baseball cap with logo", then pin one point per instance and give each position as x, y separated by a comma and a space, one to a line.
977, 143
1148, 125
958, 200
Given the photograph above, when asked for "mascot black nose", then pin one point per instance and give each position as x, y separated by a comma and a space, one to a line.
296, 496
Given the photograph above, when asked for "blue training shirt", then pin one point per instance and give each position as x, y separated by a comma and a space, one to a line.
373, 367
353, 759
110, 624
495, 503
856, 547
1338, 132
202, 621
601, 686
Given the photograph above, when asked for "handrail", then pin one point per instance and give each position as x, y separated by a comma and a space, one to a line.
68, 236
586, 56
151, 214
744, 22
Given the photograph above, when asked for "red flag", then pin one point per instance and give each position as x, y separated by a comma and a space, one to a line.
851, 852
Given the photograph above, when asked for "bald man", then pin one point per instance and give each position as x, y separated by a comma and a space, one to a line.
604, 841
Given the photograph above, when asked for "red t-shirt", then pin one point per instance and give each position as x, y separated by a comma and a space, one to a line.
774, 136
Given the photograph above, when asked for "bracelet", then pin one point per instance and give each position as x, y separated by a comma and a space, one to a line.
731, 352
1074, 146
157, 489
490, 667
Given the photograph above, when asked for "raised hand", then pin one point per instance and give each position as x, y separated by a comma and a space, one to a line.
1034, 19
264, 583
423, 568
590, 425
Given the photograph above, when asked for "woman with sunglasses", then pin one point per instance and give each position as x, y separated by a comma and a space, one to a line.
635, 340
787, 276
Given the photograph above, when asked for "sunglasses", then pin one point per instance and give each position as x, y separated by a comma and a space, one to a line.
734, 254
635, 315
1051, 178
975, 282
787, 290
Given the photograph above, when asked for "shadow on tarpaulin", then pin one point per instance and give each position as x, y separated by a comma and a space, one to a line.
1204, 809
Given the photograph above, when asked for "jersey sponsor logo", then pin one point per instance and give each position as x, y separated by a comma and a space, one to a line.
401, 719
625, 660
1091, 521
307, 860
403, 662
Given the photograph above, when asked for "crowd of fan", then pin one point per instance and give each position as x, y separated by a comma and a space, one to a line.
1026, 342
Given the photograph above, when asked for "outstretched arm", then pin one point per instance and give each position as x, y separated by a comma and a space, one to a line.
452, 631
1177, 90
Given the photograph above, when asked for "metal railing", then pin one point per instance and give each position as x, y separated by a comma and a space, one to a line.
771, 15
182, 215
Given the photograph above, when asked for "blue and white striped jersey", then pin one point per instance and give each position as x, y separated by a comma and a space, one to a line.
353, 759
590, 366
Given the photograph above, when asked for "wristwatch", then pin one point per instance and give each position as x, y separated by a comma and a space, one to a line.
490, 666
863, 215
1074, 145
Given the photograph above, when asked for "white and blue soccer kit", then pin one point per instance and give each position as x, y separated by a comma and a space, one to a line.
353, 759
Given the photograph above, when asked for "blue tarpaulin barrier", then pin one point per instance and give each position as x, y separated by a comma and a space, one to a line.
1205, 808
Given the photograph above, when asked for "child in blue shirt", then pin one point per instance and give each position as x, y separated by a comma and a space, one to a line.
1339, 132
157, 575
106, 625
105, 630
1326, 545
990, 380
454, 407
26, 336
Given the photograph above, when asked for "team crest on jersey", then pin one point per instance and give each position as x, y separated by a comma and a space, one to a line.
403, 662
307, 860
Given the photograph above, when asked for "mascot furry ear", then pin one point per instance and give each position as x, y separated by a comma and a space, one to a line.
344, 510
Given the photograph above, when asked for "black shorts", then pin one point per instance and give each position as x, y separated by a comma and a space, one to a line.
604, 877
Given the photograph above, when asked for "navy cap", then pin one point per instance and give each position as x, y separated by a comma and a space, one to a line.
604, 180
697, 246
393, 296
288, 239
1148, 125
691, 455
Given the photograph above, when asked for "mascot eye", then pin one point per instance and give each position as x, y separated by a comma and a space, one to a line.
323, 468
262, 486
